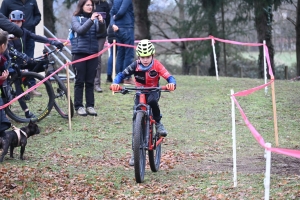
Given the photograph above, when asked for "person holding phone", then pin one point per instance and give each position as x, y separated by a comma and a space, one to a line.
102, 7
87, 27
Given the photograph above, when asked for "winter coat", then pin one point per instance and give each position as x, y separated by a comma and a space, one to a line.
122, 14
30, 9
85, 40
10, 27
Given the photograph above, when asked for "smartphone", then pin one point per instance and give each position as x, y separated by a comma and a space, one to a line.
11, 36
103, 14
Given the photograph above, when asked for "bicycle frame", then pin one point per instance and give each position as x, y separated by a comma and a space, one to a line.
144, 107
150, 121
143, 137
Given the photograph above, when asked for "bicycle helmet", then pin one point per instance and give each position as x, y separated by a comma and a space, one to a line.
17, 15
145, 48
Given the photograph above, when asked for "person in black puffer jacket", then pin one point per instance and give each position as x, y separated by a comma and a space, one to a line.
103, 7
86, 25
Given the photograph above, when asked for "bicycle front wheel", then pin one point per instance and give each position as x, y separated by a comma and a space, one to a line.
39, 106
61, 97
139, 146
155, 154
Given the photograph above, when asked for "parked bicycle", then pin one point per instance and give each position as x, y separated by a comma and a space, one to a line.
53, 90
17, 83
144, 137
59, 88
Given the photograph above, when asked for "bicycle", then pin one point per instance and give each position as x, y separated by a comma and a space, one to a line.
17, 83
144, 137
20, 81
59, 88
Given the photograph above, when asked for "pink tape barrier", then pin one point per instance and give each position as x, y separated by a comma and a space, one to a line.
257, 136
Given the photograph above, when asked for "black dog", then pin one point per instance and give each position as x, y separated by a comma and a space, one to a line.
12, 140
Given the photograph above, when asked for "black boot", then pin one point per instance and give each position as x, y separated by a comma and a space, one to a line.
109, 79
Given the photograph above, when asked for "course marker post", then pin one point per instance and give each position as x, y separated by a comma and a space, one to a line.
265, 67
114, 62
69, 98
215, 58
274, 112
233, 140
268, 171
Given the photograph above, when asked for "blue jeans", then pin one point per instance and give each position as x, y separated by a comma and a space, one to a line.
125, 55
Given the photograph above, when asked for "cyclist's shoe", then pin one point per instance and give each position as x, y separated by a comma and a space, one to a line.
81, 111
131, 161
29, 114
91, 111
36, 93
160, 129
98, 88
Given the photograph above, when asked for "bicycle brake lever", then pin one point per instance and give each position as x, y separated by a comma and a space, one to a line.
124, 91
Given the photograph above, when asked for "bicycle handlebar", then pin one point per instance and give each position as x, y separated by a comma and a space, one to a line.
48, 53
125, 90
144, 88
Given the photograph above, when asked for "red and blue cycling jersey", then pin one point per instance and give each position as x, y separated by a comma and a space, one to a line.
145, 76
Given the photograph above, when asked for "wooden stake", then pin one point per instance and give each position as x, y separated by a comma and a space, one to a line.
69, 99
274, 112
114, 62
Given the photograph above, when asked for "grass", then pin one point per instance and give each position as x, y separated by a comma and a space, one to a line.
287, 58
91, 160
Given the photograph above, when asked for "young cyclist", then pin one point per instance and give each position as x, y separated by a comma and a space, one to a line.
147, 72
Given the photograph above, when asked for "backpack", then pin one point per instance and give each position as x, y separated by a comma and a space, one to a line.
72, 34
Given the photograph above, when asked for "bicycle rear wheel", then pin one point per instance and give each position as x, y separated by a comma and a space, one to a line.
39, 106
155, 154
139, 146
61, 97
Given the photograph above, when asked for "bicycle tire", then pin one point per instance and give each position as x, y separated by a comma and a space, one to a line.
155, 154
61, 97
139, 146
39, 106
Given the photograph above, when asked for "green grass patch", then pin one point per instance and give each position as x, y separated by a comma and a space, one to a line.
90, 161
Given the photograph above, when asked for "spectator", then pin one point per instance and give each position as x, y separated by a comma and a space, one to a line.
17, 17
110, 38
11, 28
4, 122
32, 14
86, 26
103, 7
122, 21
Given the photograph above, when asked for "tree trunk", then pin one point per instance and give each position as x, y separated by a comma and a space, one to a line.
186, 65
298, 38
212, 7
49, 18
224, 44
142, 22
263, 25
